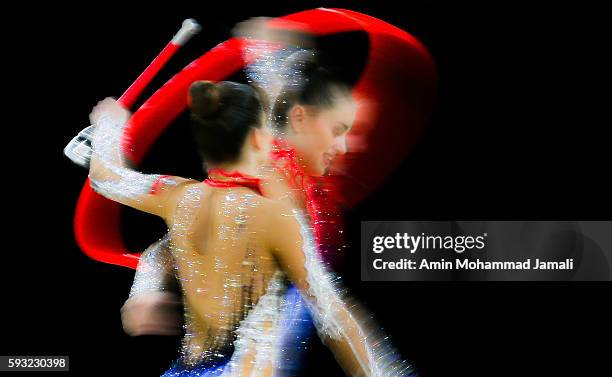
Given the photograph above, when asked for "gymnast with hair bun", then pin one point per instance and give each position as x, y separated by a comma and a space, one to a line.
233, 249
240, 239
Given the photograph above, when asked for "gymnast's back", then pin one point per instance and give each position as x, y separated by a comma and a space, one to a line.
234, 252
219, 240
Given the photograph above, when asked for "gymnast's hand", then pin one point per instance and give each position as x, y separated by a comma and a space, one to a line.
153, 313
109, 107
79, 148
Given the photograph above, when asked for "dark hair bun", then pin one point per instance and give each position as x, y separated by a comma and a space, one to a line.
222, 115
204, 99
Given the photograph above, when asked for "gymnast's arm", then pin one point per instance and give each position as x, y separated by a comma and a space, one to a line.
360, 349
112, 178
153, 304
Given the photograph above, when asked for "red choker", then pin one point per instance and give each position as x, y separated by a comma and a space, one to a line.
233, 179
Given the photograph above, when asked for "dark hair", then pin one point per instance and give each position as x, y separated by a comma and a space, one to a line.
316, 87
222, 115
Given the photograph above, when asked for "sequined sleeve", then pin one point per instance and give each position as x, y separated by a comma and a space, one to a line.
112, 178
335, 319
155, 272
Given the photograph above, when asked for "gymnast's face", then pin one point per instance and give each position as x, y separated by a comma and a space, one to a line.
319, 134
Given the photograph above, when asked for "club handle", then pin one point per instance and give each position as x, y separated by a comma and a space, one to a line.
189, 29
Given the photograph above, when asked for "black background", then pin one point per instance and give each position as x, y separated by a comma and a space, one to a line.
518, 132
